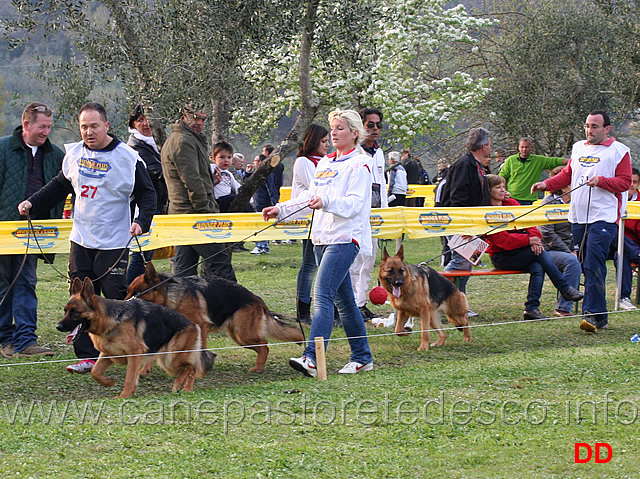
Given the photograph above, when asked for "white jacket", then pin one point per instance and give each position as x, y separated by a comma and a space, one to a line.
344, 185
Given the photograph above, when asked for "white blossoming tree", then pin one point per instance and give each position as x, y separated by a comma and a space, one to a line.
394, 55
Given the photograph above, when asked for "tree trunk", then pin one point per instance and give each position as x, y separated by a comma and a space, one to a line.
308, 109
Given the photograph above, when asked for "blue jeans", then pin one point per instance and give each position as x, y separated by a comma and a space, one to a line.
536, 265
18, 313
600, 235
459, 263
306, 272
570, 267
333, 284
264, 245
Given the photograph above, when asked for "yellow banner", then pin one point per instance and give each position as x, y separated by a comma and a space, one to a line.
426, 191
52, 236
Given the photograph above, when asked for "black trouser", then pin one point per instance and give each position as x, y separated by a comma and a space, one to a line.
218, 260
93, 263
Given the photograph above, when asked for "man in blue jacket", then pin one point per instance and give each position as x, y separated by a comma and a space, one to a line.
28, 160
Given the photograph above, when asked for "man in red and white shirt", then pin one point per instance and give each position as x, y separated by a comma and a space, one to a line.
603, 165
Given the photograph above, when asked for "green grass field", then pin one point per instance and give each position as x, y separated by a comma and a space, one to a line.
512, 403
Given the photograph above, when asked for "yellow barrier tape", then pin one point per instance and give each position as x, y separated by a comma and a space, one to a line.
168, 230
424, 191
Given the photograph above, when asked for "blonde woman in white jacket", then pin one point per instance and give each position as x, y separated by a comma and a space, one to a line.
340, 196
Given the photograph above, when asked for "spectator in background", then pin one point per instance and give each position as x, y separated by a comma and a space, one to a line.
266, 195
500, 157
397, 181
442, 166
523, 250
413, 174
28, 160
467, 186
362, 266
314, 147
631, 247
187, 171
237, 167
225, 185
141, 140
523, 170
423, 172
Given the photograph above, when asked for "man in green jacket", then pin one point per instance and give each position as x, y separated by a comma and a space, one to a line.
28, 161
523, 170
187, 172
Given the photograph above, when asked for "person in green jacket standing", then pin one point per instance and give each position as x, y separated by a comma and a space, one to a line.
28, 161
523, 170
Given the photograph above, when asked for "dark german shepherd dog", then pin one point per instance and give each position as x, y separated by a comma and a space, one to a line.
136, 330
420, 291
215, 303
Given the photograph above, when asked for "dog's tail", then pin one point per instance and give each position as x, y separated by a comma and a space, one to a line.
280, 330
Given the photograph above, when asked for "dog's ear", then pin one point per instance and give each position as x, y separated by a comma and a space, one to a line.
150, 274
385, 254
88, 292
76, 286
400, 252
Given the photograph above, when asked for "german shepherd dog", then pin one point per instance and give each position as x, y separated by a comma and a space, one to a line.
126, 328
420, 291
215, 303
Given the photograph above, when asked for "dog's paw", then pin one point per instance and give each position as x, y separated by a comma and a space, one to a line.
256, 370
423, 348
437, 344
106, 382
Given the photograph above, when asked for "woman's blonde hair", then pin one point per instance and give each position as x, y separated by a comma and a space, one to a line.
353, 120
495, 180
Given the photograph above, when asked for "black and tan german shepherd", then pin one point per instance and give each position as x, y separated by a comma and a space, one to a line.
137, 330
420, 291
215, 303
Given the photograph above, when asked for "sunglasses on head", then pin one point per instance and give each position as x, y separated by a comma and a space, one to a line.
371, 124
41, 109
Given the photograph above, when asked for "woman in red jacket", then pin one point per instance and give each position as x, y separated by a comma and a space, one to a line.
523, 250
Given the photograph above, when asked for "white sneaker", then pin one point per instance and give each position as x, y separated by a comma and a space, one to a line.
257, 250
471, 314
84, 366
625, 304
354, 367
305, 365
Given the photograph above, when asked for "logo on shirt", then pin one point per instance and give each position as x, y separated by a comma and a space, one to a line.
557, 214
213, 228
326, 174
93, 168
589, 161
39, 235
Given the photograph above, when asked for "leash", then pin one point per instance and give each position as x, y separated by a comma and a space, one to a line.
583, 243
15, 279
502, 225
231, 245
309, 245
